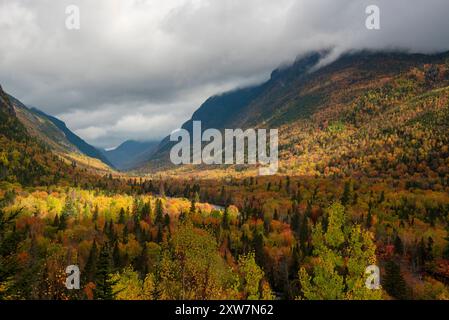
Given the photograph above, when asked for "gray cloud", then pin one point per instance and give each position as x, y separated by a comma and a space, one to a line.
139, 68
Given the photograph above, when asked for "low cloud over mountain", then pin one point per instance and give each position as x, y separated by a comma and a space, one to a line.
138, 68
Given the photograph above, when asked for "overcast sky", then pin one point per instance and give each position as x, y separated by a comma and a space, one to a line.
137, 69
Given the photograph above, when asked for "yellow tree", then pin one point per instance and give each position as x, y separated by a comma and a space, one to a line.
342, 253
252, 281
194, 268
128, 286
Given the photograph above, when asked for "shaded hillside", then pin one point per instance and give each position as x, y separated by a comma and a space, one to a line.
41, 127
357, 102
27, 160
71, 140
229, 109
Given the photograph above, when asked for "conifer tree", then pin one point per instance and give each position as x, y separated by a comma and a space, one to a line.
103, 282
398, 246
159, 212
275, 215
116, 256
393, 282
429, 249
348, 193
142, 262
56, 221
225, 221
95, 214
125, 234
9, 240
446, 248
421, 253
304, 235
121, 218
63, 221
159, 236
91, 264
193, 203
146, 211
258, 243
166, 220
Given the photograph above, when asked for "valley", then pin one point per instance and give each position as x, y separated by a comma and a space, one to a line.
363, 180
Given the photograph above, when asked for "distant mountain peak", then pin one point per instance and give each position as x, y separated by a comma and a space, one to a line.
131, 153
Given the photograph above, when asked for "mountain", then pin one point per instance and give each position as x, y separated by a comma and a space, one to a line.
10, 126
130, 154
230, 109
79, 143
54, 133
336, 118
27, 160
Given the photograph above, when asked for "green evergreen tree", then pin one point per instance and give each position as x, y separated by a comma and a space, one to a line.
193, 203
258, 243
166, 220
160, 234
95, 214
369, 217
421, 253
275, 215
393, 282
225, 219
103, 282
304, 235
159, 212
111, 231
56, 221
9, 241
116, 257
398, 246
142, 261
429, 249
295, 222
91, 264
348, 193
446, 248
146, 211
121, 218
63, 221
125, 234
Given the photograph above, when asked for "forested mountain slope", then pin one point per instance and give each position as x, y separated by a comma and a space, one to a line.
30, 161
54, 133
363, 114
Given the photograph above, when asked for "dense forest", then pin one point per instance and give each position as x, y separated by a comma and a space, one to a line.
270, 238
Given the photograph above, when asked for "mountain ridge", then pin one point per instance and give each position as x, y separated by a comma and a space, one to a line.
29, 161
55, 134
301, 96
81, 144
130, 154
